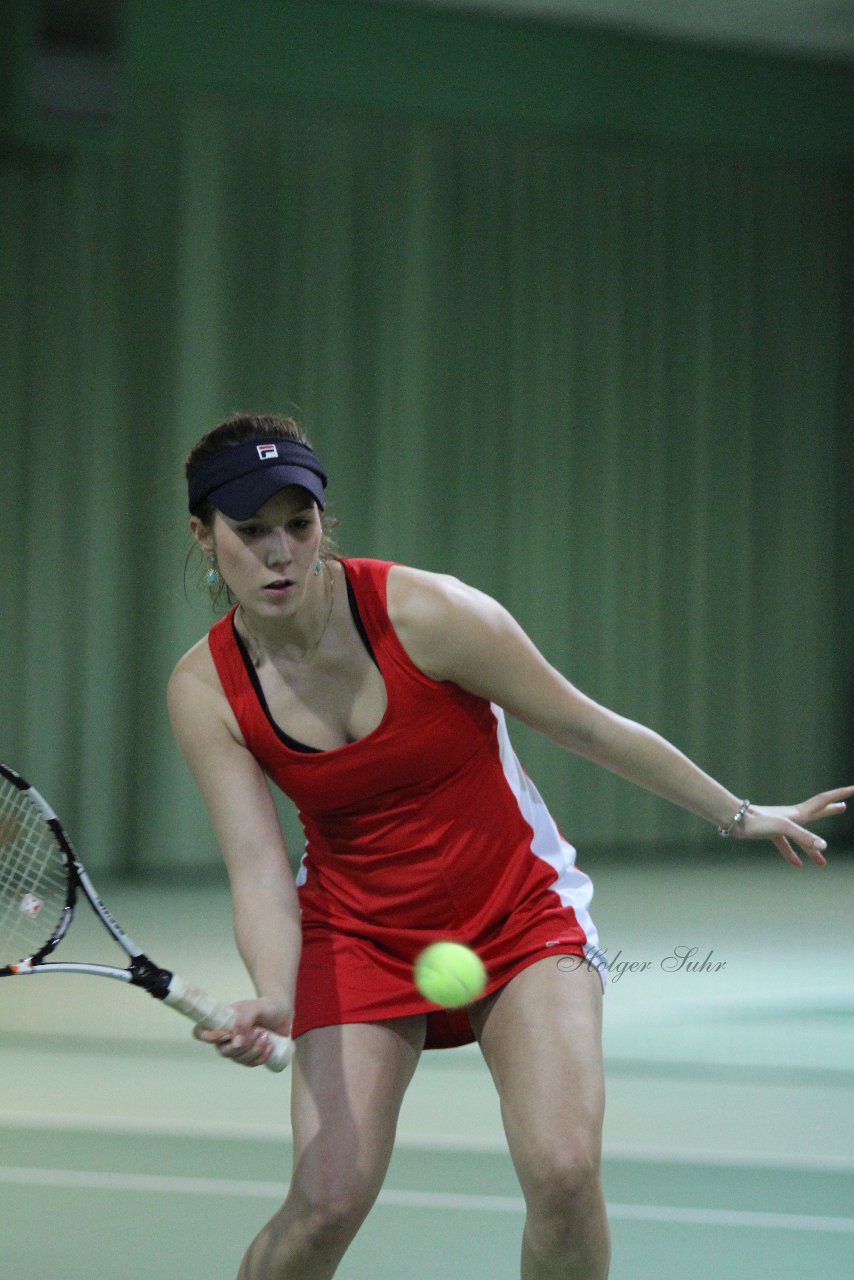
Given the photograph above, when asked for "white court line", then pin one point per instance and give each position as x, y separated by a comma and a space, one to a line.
159, 1184
730, 1159
150, 1183
145, 1126
225, 1130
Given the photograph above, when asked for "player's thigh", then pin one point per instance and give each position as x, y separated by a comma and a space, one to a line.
346, 1093
541, 1036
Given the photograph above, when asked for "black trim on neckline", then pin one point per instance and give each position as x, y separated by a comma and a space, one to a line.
259, 693
288, 741
357, 621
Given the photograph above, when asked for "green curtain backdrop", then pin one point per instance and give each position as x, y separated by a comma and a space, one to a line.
600, 379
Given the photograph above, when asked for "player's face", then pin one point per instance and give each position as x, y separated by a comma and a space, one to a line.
269, 560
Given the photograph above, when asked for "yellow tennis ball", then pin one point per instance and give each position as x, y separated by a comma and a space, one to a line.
449, 974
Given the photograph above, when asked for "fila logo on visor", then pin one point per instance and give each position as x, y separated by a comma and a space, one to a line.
267, 451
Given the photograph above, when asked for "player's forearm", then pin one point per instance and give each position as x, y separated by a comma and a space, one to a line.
642, 756
268, 936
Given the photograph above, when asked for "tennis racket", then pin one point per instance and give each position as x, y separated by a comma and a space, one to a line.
40, 879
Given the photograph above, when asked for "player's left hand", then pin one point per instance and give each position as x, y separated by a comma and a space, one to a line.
784, 825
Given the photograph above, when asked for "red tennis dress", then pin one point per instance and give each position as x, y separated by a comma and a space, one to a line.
425, 829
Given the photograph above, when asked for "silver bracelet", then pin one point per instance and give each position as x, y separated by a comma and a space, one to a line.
725, 832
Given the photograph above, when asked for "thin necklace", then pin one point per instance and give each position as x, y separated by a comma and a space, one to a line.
306, 657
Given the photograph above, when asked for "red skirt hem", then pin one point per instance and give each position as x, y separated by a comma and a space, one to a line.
446, 1028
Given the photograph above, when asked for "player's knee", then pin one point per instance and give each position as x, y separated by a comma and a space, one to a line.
563, 1181
314, 1226
333, 1210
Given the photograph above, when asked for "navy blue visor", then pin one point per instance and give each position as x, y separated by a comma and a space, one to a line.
242, 477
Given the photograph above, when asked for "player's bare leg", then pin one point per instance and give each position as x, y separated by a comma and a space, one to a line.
347, 1090
541, 1037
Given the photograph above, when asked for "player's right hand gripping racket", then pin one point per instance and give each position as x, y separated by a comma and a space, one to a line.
40, 876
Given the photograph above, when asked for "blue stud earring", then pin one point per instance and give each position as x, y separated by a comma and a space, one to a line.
212, 574
317, 566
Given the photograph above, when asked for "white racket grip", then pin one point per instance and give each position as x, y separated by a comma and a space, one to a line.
205, 1011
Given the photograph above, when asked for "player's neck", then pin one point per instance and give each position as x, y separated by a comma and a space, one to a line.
291, 640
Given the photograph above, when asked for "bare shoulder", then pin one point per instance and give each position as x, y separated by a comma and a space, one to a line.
453, 632
192, 674
416, 592
439, 619
195, 696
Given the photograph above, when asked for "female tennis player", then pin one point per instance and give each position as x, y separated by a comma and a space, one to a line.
374, 696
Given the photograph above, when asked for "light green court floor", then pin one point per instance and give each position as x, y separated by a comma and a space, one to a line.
126, 1149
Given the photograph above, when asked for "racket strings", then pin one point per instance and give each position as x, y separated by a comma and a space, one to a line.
33, 876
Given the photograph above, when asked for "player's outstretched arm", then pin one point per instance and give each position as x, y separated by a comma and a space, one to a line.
453, 632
